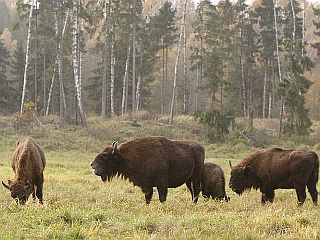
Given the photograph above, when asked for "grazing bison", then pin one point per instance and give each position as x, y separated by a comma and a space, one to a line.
277, 168
28, 163
213, 182
153, 162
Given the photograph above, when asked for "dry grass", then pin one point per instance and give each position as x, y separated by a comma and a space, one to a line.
79, 206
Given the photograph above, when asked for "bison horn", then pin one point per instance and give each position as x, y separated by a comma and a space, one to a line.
230, 164
5, 185
114, 147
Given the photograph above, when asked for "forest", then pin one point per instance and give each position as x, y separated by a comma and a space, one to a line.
216, 62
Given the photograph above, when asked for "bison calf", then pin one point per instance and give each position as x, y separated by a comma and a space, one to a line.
277, 168
28, 163
213, 182
153, 162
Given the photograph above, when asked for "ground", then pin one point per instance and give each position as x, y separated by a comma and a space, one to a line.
78, 205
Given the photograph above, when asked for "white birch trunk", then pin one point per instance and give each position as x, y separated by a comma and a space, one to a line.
275, 4
54, 69
134, 59
264, 97
173, 100
138, 94
185, 100
303, 26
294, 26
104, 77
113, 62
277, 38
27, 60
197, 90
125, 81
75, 59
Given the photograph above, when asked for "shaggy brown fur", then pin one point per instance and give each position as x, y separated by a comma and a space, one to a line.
28, 163
153, 162
277, 168
213, 182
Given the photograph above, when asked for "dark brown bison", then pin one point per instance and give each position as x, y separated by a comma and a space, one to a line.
153, 162
213, 182
277, 168
28, 163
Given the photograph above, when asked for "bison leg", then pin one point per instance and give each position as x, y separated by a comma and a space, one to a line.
162, 191
301, 193
188, 183
34, 194
313, 192
39, 190
148, 195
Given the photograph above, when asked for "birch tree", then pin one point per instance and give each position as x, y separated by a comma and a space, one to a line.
76, 61
125, 80
104, 77
56, 64
112, 65
134, 57
275, 4
33, 3
173, 99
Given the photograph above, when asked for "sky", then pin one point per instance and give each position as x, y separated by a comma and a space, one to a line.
250, 1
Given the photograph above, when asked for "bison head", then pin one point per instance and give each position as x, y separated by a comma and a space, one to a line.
20, 191
241, 178
105, 163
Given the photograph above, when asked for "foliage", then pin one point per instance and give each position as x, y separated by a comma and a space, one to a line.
6, 87
218, 122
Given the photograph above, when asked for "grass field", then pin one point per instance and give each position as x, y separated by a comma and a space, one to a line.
78, 205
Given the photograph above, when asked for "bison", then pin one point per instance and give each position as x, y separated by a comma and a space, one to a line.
213, 182
277, 168
28, 163
153, 162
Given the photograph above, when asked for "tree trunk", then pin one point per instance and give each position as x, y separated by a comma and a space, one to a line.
76, 61
264, 97
55, 67
112, 65
162, 80
275, 4
104, 59
294, 26
197, 89
185, 87
44, 78
173, 100
138, 94
36, 60
125, 80
134, 59
303, 26
27, 59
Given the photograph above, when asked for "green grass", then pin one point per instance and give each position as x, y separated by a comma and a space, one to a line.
78, 205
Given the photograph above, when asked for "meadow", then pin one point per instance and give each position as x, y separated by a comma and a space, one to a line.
78, 205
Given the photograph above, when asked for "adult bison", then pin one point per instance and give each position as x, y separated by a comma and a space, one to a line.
28, 163
277, 168
153, 162
213, 182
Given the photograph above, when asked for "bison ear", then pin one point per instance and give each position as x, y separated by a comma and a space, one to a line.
114, 147
6, 185
247, 169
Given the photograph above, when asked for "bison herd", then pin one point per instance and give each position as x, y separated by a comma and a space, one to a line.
155, 161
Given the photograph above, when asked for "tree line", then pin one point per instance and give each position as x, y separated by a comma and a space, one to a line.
111, 57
